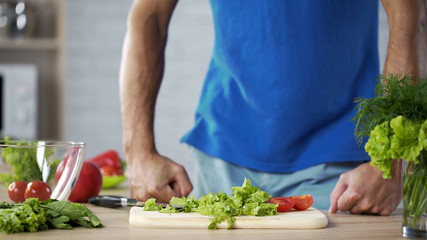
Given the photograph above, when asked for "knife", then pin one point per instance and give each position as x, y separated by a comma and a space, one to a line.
112, 201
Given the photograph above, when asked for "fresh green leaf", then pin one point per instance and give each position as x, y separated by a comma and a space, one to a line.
150, 205
77, 213
245, 200
28, 216
378, 148
394, 95
169, 209
396, 122
34, 215
59, 222
189, 204
23, 161
404, 142
398, 139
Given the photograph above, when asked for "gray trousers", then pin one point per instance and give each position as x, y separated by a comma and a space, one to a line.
215, 175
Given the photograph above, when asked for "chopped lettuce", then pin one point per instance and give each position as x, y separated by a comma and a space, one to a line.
189, 204
245, 200
150, 205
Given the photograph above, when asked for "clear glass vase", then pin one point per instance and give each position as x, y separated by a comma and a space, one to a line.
414, 181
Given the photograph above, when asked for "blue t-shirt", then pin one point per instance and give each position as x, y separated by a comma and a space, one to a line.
279, 92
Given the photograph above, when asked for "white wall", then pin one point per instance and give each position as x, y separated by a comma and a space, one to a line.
95, 34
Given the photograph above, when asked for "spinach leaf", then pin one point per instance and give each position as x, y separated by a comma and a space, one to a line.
63, 212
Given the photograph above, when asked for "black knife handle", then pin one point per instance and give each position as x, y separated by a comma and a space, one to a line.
112, 201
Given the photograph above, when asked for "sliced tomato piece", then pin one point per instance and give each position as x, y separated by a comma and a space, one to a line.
285, 203
302, 202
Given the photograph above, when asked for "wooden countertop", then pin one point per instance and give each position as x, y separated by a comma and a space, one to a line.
116, 222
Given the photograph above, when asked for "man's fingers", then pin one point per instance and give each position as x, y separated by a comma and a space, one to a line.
384, 207
339, 189
176, 188
140, 195
348, 199
184, 183
362, 206
165, 194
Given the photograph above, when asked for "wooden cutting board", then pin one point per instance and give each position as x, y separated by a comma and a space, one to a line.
307, 219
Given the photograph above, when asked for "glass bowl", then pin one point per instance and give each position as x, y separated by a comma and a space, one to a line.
23, 160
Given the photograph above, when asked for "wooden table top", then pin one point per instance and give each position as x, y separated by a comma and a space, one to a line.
116, 222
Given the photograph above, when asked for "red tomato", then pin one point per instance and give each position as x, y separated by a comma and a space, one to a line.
108, 158
107, 170
285, 204
16, 191
38, 189
302, 202
88, 184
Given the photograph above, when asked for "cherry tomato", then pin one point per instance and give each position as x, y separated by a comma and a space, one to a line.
302, 202
285, 203
38, 189
108, 170
16, 191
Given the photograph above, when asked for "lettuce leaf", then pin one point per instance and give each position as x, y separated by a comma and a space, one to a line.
245, 200
23, 162
30, 217
404, 143
34, 215
150, 205
398, 138
378, 148
189, 204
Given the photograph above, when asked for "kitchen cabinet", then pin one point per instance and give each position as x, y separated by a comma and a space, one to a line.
45, 48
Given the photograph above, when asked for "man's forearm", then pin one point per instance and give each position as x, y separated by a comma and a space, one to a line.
407, 48
138, 91
142, 70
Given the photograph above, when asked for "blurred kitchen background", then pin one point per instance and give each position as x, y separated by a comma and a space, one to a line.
59, 70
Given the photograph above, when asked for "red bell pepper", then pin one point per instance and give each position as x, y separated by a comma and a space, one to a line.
108, 160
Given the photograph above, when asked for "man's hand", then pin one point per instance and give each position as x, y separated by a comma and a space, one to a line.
158, 177
363, 190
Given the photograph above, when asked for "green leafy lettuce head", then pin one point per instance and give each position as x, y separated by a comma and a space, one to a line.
394, 120
399, 138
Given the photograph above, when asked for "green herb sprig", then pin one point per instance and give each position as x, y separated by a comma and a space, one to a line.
395, 95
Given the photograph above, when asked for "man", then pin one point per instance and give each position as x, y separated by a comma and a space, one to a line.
277, 100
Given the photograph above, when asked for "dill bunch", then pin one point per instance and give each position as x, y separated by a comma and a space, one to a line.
394, 95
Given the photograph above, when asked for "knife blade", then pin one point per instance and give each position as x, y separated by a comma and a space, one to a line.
112, 201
